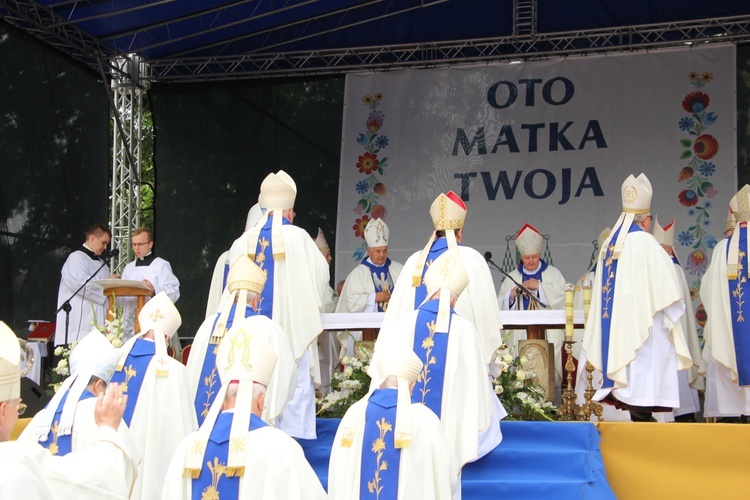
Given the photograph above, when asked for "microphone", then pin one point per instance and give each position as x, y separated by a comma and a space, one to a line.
111, 253
488, 258
520, 289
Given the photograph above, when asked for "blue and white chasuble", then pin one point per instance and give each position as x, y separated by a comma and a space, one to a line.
133, 372
381, 279
380, 460
436, 250
213, 482
609, 277
740, 310
526, 302
56, 444
264, 260
432, 348
209, 383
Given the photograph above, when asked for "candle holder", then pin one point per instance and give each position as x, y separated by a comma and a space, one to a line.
569, 410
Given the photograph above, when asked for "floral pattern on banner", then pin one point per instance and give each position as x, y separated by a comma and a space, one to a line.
371, 165
698, 150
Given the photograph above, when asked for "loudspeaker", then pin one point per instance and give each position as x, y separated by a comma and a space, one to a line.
34, 396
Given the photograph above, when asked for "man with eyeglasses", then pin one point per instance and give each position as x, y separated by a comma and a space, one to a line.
27, 470
152, 271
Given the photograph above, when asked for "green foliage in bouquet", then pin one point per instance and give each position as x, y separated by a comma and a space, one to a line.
347, 386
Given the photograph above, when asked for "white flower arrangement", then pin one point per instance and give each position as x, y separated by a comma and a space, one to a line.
518, 389
347, 386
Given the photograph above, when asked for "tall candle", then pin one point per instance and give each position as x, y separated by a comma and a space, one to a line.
586, 298
569, 290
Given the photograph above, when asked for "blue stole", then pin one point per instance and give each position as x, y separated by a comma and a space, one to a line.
61, 445
212, 482
380, 460
380, 275
674, 259
264, 259
224, 276
432, 348
741, 312
132, 374
609, 277
436, 250
209, 383
537, 275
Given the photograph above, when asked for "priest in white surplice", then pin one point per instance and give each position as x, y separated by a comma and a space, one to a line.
154, 272
478, 303
235, 454
633, 333
160, 412
690, 380
455, 382
543, 280
726, 353
389, 444
89, 303
292, 297
245, 283
368, 287
102, 471
221, 269
327, 343
67, 423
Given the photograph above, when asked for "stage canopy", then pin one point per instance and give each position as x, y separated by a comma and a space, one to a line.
218, 39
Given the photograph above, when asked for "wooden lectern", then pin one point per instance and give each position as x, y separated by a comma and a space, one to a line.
114, 288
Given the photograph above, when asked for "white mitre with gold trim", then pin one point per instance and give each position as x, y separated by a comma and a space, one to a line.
529, 240
377, 233
10, 361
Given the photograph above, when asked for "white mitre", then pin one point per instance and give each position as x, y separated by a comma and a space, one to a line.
529, 240
377, 233
243, 357
253, 216
279, 191
244, 277
95, 356
160, 316
664, 234
636, 195
448, 212
10, 360
321, 243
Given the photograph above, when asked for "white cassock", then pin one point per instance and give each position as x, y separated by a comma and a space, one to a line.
358, 295
87, 303
724, 396
470, 410
101, 471
477, 303
427, 468
283, 380
300, 282
275, 468
551, 292
159, 273
85, 431
647, 344
218, 284
162, 417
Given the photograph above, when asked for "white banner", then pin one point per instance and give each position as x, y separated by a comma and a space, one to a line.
547, 143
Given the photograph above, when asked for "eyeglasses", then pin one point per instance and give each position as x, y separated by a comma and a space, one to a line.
21, 407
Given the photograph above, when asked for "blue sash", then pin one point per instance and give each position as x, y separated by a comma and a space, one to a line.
432, 348
380, 459
537, 275
61, 445
609, 277
740, 309
436, 250
132, 374
212, 482
209, 383
224, 276
264, 259
674, 259
381, 275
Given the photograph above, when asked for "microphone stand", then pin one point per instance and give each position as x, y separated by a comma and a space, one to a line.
520, 287
66, 305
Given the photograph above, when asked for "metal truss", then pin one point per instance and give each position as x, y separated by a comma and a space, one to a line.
127, 100
531, 46
42, 22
